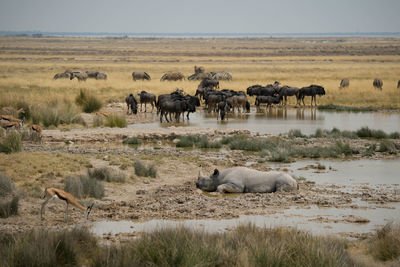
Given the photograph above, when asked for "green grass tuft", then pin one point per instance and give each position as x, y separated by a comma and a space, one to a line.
84, 186
115, 120
88, 102
107, 174
12, 142
142, 170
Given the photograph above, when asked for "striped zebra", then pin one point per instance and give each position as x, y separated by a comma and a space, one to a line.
222, 76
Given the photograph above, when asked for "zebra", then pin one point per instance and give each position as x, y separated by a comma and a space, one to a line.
222, 76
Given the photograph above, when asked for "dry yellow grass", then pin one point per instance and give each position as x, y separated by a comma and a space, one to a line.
27, 66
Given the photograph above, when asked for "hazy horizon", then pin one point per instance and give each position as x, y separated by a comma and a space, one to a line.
207, 16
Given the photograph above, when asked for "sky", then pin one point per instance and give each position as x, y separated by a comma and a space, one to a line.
201, 16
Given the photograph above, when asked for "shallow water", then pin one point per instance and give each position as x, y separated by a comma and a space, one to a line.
351, 175
364, 171
281, 120
302, 218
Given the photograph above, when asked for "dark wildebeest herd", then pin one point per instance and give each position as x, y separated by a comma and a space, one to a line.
215, 100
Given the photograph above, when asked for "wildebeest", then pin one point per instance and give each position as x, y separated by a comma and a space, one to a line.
222, 76
286, 91
199, 76
147, 98
239, 101
344, 83
378, 83
210, 83
201, 92
173, 76
269, 100
245, 180
140, 75
92, 74
199, 69
63, 75
268, 90
223, 108
131, 103
81, 76
174, 105
253, 90
101, 76
312, 91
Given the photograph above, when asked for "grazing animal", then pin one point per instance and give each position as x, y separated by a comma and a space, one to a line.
52, 193
344, 83
222, 76
245, 180
10, 124
312, 91
10, 118
199, 76
209, 83
81, 76
147, 98
102, 113
131, 103
223, 108
139, 75
269, 100
173, 76
288, 91
378, 83
64, 75
199, 69
253, 90
101, 76
12, 111
92, 74
36, 128
172, 106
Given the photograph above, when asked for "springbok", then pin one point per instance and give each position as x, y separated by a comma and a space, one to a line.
52, 193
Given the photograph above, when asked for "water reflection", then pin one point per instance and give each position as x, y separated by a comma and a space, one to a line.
276, 120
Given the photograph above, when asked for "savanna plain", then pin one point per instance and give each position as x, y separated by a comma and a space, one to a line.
133, 173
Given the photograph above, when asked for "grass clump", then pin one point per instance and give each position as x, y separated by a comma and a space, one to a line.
107, 174
366, 132
84, 186
11, 142
387, 146
132, 141
385, 245
8, 199
197, 141
142, 170
296, 133
244, 246
87, 102
115, 120
56, 113
47, 248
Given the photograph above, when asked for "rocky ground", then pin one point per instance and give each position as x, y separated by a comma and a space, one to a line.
172, 194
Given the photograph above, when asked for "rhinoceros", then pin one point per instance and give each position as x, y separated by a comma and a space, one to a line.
245, 180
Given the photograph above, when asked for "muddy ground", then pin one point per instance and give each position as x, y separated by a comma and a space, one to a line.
172, 194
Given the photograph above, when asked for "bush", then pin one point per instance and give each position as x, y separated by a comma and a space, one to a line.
84, 187
387, 146
188, 141
8, 201
115, 120
132, 141
366, 132
9, 207
385, 245
107, 174
47, 248
12, 142
295, 133
87, 102
56, 113
142, 170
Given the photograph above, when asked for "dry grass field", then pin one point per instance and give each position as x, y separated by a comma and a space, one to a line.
27, 66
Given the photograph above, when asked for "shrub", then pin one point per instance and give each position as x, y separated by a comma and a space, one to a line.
394, 135
142, 170
87, 102
98, 121
12, 142
366, 132
387, 146
132, 141
188, 141
8, 201
115, 120
9, 207
84, 186
107, 174
295, 133
47, 248
280, 155
385, 245
56, 113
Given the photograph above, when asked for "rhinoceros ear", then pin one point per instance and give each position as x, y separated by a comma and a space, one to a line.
216, 172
